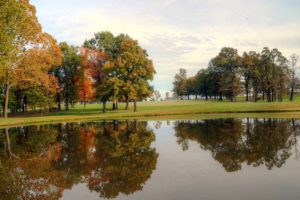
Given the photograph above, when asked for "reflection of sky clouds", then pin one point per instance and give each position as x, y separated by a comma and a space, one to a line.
176, 33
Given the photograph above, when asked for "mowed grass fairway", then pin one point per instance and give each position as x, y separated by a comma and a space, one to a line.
175, 109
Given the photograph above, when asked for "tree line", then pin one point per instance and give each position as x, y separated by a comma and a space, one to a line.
257, 76
38, 72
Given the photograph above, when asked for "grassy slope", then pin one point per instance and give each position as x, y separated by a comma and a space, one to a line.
167, 110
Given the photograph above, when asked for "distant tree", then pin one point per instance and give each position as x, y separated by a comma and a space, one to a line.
202, 83
179, 84
256, 75
250, 73
264, 76
293, 64
157, 95
227, 65
191, 86
273, 73
214, 82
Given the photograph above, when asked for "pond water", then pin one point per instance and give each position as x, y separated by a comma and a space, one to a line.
191, 159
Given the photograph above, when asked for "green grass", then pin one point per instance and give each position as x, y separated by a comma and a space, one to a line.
166, 110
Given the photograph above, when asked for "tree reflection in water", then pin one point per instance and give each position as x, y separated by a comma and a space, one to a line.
113, 158
40, 162
233, 142
25, 169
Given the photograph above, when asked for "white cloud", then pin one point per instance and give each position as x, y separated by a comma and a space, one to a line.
176, 33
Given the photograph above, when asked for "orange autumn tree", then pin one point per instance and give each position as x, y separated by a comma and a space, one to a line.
99, 61
26, 53
33, 72
85, 86
89, 67
19, 27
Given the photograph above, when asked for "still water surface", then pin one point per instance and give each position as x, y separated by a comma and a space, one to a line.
161, 160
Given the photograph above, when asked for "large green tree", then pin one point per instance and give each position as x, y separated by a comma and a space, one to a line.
134, 68
67, 74
126, 69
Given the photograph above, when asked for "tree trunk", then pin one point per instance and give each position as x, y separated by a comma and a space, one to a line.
135, 106
255, 95
292, 93
58, 99
104, 106
72, 104
58, 106
247, 91
67, 104
220, 97
269, 95
127, 104
24, 104
5, 110
2, 111
273, 95
280, 97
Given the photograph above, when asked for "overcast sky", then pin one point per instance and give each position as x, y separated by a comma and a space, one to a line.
178, 33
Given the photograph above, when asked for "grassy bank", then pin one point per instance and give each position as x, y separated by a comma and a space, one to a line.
165, 110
